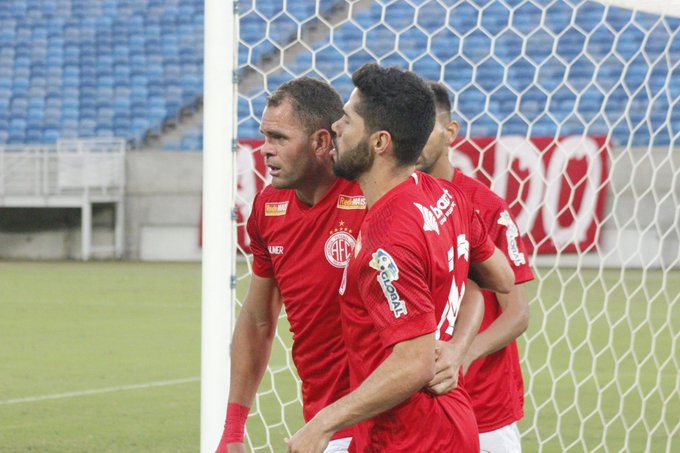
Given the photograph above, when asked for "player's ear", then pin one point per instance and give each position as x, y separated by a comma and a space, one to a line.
380, 141
452, 129
321, 141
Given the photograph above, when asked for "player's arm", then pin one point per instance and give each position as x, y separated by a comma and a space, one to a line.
450, 355
407, 369
511, 323
250, 350
514, 317
488, 266
493, 273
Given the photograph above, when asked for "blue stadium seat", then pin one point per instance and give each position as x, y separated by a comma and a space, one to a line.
102, 57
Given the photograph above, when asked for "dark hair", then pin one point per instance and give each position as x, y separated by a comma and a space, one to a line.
399, 102
441, 97
315, 103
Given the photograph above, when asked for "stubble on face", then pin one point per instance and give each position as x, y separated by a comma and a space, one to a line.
433, 149
288, 164
353, 162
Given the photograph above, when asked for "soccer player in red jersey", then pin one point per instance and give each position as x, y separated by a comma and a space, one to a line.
493, 376
404, 282
302, 230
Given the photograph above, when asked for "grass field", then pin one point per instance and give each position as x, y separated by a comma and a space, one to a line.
75, 327
105, 357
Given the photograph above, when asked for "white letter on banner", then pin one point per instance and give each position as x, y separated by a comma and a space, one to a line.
461, 161
246, 187
525, 152
575, 147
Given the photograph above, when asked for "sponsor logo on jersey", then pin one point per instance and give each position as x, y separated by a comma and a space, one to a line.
275, 249
388, 272
463, 247
511, 234
429, 220
338, 247
275, 208
436, 215
351, 202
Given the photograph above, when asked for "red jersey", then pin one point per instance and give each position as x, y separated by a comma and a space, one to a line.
306, 248
495, 382
403, 282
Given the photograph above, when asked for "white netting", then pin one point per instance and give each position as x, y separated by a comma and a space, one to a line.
570, 110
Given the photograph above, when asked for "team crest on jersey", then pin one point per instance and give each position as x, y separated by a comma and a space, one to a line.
511, 234
275, 208
436, 215
339, 246
388, 272
351, 202
357, 248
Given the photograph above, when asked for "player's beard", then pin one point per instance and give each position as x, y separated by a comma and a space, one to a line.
351, 163
424, 164
431, 153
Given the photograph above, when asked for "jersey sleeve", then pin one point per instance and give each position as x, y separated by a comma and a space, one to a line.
395, 293
262, 261
505, 234
481, 245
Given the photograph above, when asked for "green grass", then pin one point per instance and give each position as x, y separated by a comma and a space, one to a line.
69, 327
600, 361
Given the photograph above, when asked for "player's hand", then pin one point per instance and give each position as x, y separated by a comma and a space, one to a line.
309, 439
236, 448
231, 448
470, 356
446, 366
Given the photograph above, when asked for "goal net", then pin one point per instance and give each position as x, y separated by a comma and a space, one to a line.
570, 110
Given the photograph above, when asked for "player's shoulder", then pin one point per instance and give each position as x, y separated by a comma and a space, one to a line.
419, 189
272, 202
477, 192
393, 218
269, 193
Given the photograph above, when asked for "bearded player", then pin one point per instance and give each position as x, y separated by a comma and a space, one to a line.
405, 280
493, 376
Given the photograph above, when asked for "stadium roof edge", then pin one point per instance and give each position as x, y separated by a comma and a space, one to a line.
662, 7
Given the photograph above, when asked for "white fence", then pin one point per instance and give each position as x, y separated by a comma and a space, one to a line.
74, 173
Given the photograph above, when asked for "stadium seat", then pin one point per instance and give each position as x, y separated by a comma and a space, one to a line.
113, 55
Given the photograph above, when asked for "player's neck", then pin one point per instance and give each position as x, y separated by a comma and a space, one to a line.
381, 179
442, 168
316, 187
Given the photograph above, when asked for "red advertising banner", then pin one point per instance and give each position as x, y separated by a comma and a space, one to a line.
252, 177
555, 187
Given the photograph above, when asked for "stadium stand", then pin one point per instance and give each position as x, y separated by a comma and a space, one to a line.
85, 68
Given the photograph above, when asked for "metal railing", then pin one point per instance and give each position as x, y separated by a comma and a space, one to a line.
70, 167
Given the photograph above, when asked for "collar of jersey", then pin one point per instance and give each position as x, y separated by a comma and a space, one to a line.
404, 186
306, 208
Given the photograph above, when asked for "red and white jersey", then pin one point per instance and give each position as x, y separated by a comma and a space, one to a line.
306, 248
403, 282
495, 382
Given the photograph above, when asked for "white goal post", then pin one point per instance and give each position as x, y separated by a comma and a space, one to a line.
570, 109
